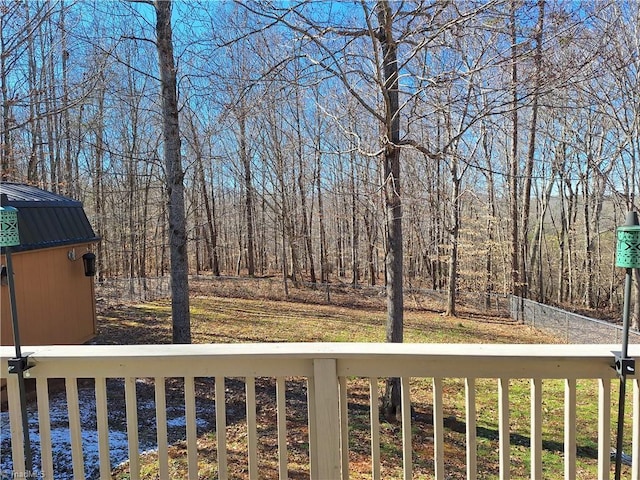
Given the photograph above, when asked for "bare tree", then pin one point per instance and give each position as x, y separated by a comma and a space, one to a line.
514, 196
210, 233
175, 175
295, 179
531, 149
20, 24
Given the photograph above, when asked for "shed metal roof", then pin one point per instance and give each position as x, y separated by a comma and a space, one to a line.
46, 219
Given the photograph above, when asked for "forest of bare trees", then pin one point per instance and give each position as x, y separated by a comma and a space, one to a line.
487, 146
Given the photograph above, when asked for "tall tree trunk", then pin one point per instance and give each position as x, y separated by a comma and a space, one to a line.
513, 166
142, 263
535, 254
562, 265
175, 176
209, 206
213, 231
588, 242
285, 273
52, 120
341, 221
7, 162
248, 187
263, 230
491, 215
324, 266
305, 221
355, 227
531, 150
34, 100
437, 239
393, 204
132, 191
97, 179
69, 186
454, 230
292, 224
371, 243
570, 211
131, 140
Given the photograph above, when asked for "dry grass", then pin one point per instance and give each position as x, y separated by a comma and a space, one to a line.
255, 310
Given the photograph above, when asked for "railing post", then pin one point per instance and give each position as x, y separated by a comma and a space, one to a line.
570, 450
17, 450
326, 438
504, 428
604, 429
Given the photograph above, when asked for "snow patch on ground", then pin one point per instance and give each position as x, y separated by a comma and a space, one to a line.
118, 445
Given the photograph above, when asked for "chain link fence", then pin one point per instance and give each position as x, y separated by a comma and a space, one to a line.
133, 289
568, 326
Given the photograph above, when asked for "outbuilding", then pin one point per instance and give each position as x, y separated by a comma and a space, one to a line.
53, 269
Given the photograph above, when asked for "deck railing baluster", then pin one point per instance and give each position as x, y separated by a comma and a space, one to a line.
327, 369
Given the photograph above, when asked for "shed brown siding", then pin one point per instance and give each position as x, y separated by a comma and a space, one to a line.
55, 300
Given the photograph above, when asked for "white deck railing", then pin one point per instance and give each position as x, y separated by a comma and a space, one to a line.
327, 368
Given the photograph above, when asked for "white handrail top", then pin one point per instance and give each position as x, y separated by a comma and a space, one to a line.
338, 350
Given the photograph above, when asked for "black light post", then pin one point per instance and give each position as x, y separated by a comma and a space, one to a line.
9, 237
628, 257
